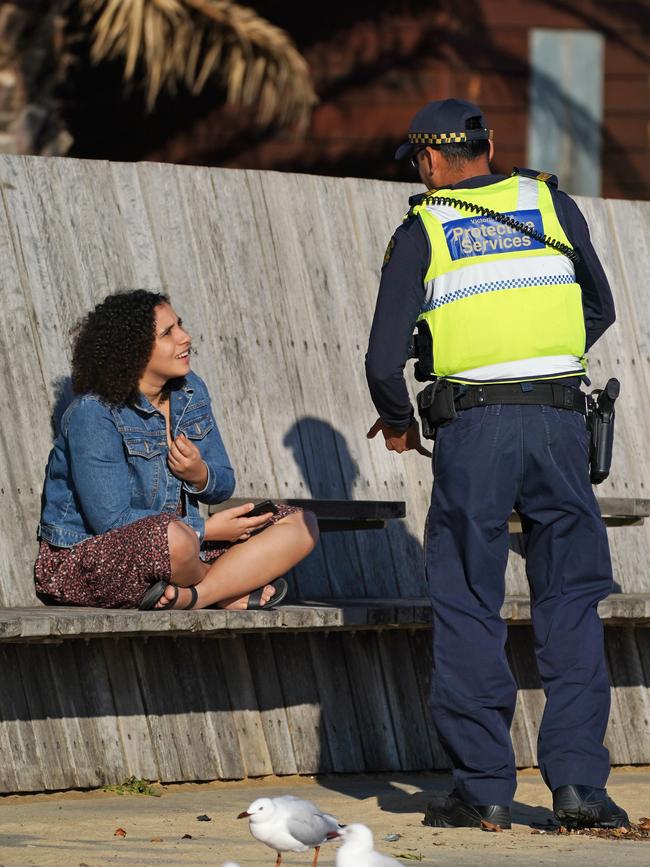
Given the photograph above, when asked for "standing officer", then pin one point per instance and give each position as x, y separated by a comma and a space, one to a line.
504, 321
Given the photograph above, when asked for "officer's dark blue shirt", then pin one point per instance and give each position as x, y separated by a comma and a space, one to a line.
401, 296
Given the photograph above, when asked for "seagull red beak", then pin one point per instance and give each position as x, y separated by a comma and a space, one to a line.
243, 815
332, 835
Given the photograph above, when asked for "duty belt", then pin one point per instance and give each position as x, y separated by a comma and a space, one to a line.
539, 393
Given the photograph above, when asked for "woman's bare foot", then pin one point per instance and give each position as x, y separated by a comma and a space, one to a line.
240, 603
174, 597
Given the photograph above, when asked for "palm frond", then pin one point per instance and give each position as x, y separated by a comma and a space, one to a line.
197, 41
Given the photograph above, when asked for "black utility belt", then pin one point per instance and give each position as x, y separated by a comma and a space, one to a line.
439, 402
539, 393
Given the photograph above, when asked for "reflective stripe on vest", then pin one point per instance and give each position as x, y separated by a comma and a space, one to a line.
499, 304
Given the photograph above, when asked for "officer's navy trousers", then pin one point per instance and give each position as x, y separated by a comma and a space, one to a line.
487, 462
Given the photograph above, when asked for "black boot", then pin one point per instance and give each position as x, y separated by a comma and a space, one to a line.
587, 807
454, 812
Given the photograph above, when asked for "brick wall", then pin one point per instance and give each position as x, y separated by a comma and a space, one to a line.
374, 73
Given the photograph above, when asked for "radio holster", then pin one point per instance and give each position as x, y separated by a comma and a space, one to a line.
600, 421
421, 349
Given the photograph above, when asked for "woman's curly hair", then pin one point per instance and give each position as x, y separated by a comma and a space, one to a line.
113, 344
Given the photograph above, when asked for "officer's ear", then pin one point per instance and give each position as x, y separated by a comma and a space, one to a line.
432, 165
491, 151
432, 158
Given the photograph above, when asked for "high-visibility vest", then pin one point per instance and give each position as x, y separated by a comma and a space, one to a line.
500, 305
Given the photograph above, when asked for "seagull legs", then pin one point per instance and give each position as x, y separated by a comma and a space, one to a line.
316, 851
278, 860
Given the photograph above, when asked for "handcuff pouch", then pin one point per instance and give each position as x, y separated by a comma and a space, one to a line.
436, 407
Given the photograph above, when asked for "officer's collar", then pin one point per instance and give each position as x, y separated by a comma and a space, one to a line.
466, 183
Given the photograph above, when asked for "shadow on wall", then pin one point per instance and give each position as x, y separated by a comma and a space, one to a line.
63, 397
387, 563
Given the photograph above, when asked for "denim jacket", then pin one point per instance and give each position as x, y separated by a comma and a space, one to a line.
108, 466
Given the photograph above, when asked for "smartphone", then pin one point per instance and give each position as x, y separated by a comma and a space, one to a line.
262, 508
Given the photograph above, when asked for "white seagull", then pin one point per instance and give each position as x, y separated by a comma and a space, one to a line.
289, 824
358, 848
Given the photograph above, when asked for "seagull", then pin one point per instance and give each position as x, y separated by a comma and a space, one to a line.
289, 824
358, 848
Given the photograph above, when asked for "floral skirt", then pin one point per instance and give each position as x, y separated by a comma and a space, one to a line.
115, 569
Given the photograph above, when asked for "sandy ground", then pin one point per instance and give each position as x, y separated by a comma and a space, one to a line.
76, 829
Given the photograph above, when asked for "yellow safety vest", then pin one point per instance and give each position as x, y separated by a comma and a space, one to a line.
500, 306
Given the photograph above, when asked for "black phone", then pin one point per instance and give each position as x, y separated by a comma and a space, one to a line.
262, 508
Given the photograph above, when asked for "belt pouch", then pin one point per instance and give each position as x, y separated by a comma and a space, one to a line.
436, 407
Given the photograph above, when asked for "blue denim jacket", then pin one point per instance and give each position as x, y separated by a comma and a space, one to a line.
108, 466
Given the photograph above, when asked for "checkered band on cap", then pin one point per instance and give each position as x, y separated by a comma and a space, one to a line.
429, 138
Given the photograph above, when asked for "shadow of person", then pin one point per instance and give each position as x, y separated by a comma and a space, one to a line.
397, 797
411, 793
434, 788
386, 563
323, 458
63, 397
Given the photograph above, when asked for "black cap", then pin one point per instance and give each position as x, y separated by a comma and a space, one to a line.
445, 122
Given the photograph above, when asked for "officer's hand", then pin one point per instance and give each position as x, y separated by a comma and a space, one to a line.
399, 441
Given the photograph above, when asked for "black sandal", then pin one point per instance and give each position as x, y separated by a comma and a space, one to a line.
254, 598
156, 592
193, 600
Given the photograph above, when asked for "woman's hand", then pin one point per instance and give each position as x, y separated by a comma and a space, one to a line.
186, 463
231, 525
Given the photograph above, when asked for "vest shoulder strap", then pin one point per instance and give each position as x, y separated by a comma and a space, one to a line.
414, 204
536, 175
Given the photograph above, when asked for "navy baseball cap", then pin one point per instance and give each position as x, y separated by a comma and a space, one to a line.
445, 122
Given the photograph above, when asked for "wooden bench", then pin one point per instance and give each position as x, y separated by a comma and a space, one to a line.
337, 681
56, 624
342, 515
337, 515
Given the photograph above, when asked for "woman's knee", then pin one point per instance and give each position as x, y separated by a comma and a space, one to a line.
183, 544
307, 522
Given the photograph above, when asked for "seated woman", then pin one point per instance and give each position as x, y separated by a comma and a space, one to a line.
137, 451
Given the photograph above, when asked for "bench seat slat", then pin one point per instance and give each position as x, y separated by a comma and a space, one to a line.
54, 623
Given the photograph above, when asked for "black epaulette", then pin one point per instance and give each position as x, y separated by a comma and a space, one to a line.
414, 201
547, 177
